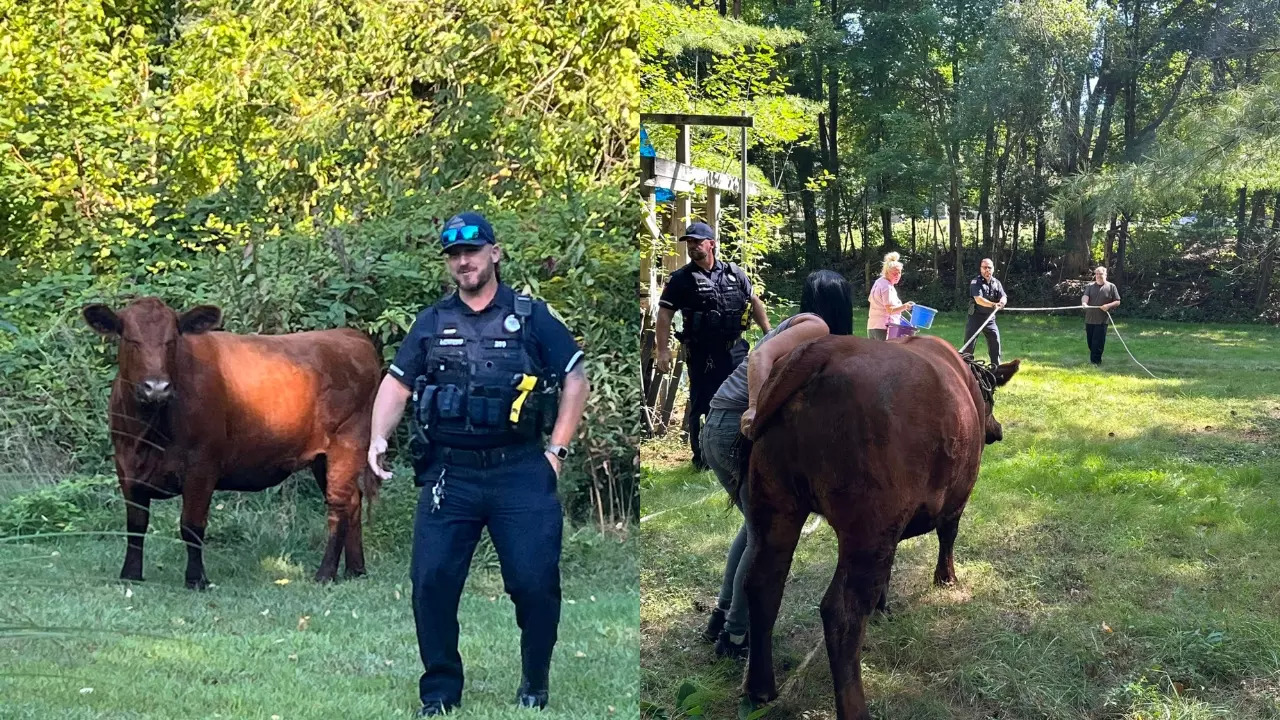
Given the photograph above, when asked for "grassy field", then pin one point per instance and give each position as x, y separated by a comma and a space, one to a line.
267, 642
1119, 558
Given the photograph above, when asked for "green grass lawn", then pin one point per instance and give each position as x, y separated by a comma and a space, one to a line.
76, 643
1119, 557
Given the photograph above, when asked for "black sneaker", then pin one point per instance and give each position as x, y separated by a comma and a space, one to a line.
715, 625
731, 646
434, 708
699, 464
525, 697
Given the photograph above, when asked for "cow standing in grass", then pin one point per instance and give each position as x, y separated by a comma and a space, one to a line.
193, 411
882, 439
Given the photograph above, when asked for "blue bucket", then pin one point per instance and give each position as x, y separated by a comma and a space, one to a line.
922, 317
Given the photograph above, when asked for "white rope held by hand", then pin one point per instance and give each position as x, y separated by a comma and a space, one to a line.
1110, 319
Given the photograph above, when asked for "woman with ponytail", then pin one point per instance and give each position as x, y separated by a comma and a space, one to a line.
884, 302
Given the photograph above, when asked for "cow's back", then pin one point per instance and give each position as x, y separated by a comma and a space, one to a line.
856, 422
275, 401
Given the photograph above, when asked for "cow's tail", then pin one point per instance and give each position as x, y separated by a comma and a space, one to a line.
370, 486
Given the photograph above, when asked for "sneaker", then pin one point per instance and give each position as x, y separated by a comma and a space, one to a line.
715, 625
434, 708
525, 697
732, 646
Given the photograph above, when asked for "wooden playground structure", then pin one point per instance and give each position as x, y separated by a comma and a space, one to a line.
661, 253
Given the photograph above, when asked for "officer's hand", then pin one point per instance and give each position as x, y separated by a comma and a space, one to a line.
664, 360
376, 450
555, 462
745, 424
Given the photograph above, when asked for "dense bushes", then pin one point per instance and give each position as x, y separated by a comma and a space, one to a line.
292, 162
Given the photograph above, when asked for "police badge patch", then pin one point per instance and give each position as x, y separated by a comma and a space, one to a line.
511, 324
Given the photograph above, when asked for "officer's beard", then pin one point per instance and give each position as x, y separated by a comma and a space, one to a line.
483, 277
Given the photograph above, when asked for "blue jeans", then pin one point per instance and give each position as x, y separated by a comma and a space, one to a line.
720, 450
517, 501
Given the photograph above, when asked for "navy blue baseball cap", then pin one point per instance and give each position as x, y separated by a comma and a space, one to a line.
698, 231
467, 228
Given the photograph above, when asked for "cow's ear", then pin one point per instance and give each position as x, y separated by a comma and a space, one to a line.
1006, 371
102, 319
200, 318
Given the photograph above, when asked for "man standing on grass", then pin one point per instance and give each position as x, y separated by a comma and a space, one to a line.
490, 373
1101, 297
716, 303
988, 296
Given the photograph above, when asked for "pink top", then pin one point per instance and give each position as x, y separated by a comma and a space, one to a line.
883, 296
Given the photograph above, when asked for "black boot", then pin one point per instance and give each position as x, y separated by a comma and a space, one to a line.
715, 625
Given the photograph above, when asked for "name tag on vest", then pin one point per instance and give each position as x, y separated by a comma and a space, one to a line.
452, 341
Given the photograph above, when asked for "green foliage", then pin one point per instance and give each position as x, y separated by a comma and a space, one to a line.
292, 162
74, 505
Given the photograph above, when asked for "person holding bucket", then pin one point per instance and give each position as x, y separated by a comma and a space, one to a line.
885, 307
988, 295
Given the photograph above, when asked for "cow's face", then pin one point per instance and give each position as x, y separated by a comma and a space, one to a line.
994, 431
148, 331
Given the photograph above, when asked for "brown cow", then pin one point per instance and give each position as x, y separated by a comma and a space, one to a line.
882, 439
193, 411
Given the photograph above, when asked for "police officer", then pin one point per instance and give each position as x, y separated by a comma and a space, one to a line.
489, 373
714, 299
987, 294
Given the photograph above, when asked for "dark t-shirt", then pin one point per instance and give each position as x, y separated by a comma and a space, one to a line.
1099, 295
990, 290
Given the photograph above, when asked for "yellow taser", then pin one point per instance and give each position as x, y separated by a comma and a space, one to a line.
526, 385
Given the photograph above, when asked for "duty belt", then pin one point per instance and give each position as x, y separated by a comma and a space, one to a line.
485, 458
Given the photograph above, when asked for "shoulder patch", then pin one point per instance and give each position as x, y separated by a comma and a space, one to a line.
973, 282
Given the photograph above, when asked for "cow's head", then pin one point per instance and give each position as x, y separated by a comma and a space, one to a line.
148, 331
1003, 373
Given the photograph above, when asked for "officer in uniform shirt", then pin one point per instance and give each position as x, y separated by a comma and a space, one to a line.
988, 295
489, 373
715, 301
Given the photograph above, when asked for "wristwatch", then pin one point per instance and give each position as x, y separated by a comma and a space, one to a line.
559, 451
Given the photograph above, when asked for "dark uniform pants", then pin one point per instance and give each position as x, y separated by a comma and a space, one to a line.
517, 501
708, 369
1096, 335
990, 332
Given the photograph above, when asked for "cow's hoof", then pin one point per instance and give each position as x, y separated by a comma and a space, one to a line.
761, 698
943, 581
325, 577
132, 576
200, 583
353, 573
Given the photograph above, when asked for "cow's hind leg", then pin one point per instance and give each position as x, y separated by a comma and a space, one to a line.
771, 543
945, 573
861, 578
342, 466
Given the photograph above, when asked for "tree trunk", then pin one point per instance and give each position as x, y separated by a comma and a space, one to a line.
984, 189
825, 131
1123, 245
1017, 227
1111, 240
1268, 260
953, 221
886, 228
1242, 231
1037, 236
804, 155
913, 234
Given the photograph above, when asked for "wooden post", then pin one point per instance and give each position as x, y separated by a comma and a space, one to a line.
678, 255
712, 210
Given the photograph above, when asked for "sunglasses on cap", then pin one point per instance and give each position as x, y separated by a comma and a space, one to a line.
454, 235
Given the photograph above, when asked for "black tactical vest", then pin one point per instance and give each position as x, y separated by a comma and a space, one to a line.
719, 311
475, 367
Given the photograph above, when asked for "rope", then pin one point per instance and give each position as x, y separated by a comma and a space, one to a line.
1110, 319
